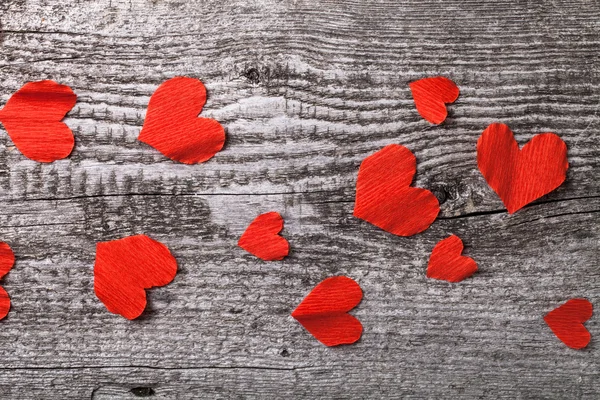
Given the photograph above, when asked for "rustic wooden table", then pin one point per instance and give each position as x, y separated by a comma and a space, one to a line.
305, 90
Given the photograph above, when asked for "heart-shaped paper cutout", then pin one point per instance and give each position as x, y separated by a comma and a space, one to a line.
431, 96
7, 260
567, 321
521, 176
262, 239
126, 267
172, 125
32, 117
446, 262
385, 198
324, 312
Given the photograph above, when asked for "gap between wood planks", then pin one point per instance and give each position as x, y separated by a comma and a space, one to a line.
503, 210
97, 367
467, 215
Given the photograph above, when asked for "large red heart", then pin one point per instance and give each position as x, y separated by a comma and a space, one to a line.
384, 196
324, 312
431, 96
567, 321
262, 239
521, 176
32, 117
125, 268
172, 125
446, 262
7, 260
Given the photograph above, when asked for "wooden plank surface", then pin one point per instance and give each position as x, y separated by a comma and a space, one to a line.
306, 90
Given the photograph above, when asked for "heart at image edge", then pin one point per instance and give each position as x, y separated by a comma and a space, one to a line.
385, 197
324, 311
33, 118
4, 303
7, 261
521, 176
126, 267
173, 126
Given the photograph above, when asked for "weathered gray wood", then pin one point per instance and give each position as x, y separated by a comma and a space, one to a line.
305, 89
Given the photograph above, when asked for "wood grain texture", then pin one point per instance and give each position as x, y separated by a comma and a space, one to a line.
305, 90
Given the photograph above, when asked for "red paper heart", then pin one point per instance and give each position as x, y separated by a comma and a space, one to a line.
431, 96
384, 196
7, 260
261, 238
32, 117
172, 125
521, 176
124, 268
567, 321
446, 262
324, 312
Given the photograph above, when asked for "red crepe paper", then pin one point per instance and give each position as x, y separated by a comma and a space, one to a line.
446, 262
172, 124
567, 321
7, 260
384, 196
32, 117
262, 239
124, 268
324, 312
431, 96
521, 176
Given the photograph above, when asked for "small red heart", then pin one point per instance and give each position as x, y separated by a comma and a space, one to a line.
32, 117
124, 268
262, 239
521, 176
431, 96
324, 312
7, 260
385, 198
172, 125
446, 262
567, 321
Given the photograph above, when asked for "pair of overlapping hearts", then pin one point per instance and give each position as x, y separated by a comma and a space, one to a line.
384, 197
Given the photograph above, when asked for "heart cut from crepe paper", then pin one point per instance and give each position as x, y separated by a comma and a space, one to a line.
7, 260
431, 96
385, 198
324, 312
172, 125
567, 321
32, 117
521, 176
262, 239
126, 267
446, 262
